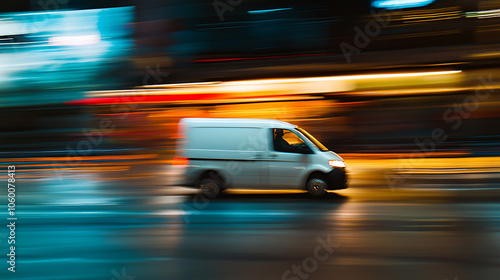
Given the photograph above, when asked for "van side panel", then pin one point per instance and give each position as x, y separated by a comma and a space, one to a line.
226, 139
238, 151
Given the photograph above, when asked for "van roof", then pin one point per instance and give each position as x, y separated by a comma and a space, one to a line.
228, 122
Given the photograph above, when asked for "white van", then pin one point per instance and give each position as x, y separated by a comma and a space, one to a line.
218, 154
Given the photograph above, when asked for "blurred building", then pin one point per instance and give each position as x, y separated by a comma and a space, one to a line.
55, 52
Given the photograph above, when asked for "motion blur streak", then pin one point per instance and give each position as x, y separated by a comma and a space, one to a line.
400, 4
92, 92
241, 89
74, 40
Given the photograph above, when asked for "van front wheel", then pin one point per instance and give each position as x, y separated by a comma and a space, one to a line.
210, 188
316, 186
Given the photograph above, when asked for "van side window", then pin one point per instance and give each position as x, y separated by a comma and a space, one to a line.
286, 141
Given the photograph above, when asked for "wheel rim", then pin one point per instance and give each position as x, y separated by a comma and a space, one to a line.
316, 186
210, 189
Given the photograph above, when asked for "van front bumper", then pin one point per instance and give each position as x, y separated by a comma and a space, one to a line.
337, 179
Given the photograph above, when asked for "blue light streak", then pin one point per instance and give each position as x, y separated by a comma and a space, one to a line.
268, 11
400, 4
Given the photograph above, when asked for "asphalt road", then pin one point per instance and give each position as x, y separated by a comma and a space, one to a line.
98, 232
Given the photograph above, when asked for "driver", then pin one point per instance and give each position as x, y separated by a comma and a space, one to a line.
281, 144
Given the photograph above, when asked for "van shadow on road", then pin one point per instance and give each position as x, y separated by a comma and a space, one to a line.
268, 197
251, 204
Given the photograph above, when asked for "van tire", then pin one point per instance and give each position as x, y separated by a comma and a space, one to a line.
316, 185
210, 187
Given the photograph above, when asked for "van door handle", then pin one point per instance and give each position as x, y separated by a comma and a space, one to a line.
273, 156
258, 156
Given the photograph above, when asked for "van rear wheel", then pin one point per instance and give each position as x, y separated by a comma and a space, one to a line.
210, 188
316, 186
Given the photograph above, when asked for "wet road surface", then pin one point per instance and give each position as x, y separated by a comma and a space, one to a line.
360, 233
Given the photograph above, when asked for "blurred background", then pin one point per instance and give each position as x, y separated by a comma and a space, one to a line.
91, 93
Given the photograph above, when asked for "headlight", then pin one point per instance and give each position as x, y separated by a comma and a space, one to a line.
337, 163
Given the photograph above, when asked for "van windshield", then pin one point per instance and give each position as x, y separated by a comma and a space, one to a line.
311, 138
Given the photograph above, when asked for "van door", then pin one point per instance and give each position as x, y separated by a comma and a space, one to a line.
287, 160
238, 151
247, 165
